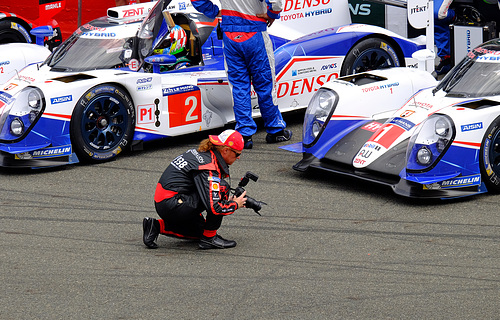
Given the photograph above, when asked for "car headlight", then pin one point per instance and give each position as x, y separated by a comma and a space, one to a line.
429, 142
318, 114
20, 113
34, 99
17, 127
424, 156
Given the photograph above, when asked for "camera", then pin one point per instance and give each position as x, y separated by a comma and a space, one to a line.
251, 202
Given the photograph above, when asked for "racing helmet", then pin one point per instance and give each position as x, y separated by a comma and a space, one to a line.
178, 40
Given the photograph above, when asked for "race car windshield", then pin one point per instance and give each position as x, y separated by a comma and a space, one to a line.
92, 50
476, 77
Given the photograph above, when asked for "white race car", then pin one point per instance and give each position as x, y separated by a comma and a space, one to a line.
105, 89
401, 128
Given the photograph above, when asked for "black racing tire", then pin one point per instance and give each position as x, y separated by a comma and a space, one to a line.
371, 54
490, 157
102, 123
11, 32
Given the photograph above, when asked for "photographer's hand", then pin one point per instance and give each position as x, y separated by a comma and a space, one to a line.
241, 200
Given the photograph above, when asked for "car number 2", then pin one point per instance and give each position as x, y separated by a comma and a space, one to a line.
184, 108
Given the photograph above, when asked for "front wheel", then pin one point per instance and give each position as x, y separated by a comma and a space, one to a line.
370, 54
102, 124
490, 157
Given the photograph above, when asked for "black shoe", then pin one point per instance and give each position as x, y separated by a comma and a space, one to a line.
280, 136
151, 228
216, 242
248, 142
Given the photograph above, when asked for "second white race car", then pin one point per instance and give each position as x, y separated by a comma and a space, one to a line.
401, 128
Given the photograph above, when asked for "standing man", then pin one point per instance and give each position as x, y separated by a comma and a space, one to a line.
249, 59
195, 182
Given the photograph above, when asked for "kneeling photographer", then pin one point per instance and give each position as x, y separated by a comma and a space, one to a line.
193, 183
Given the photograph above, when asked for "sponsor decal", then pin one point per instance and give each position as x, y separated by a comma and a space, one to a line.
307, 14
329, 66
144, 80
5, 98
145, 87
374, 146
214, 186
133, 12
305, 85
201, 160
303, 4
93, 28
403, 123
472, 126
418, 9
4, 63
423, 105
10, 86
488, 58
406, 113
100, 34
61, 99
53, 6
360, 9
372, 126
302, 71
26, 79
45, 153
459, 182
180, 89
383, 86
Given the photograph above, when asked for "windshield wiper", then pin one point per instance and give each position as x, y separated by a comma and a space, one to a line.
458, 75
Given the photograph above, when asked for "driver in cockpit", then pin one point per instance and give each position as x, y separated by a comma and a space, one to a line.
175, 44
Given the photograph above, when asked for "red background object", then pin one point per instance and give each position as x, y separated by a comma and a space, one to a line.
67, 18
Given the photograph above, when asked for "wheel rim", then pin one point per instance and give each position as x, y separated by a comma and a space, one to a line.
494, 153
372, 59
104, 123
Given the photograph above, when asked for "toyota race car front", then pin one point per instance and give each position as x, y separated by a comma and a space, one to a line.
393, 128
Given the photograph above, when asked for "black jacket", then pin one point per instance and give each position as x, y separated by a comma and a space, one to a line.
202, 173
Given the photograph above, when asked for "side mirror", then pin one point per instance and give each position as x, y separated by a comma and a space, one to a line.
41, 32
160, 59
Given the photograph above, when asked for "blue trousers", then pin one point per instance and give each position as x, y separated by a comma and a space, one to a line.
249, 60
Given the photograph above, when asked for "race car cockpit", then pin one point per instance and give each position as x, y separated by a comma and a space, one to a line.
171, 40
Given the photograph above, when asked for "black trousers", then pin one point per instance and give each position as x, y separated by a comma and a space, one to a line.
182, 216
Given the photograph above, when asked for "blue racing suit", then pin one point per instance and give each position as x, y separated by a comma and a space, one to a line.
443, 17
249, 59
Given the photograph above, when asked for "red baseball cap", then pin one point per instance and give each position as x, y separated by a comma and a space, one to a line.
229, 138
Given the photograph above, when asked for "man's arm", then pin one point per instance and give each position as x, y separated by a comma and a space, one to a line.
206, 7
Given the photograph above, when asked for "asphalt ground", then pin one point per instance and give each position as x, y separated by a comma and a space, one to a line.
325, 247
